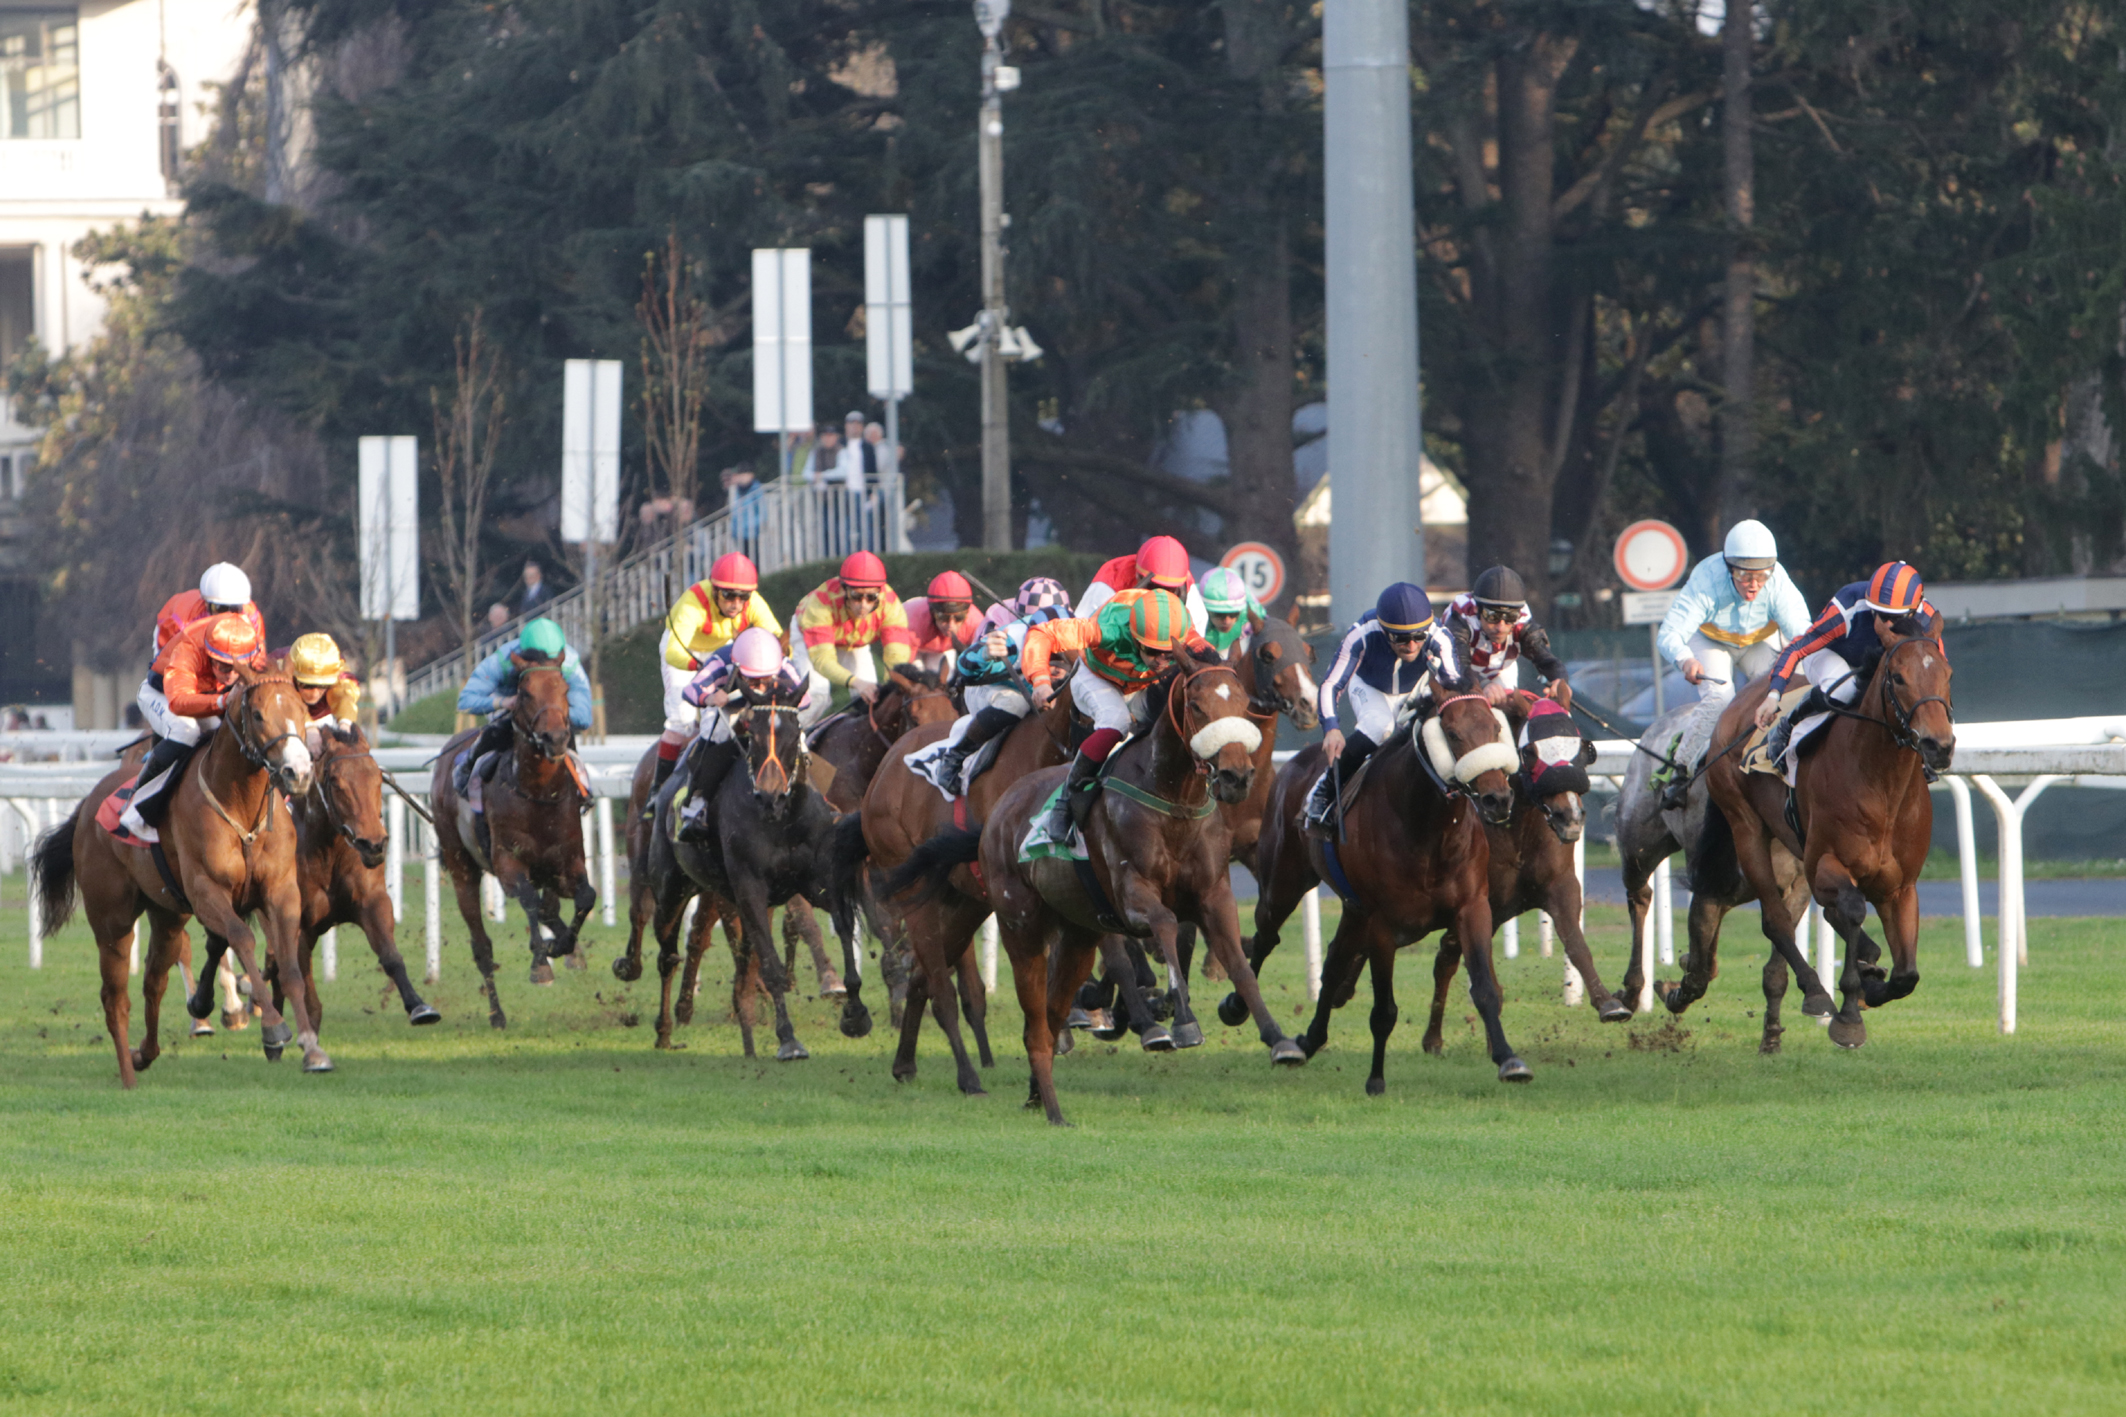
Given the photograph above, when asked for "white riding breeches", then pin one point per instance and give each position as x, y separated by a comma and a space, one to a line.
1103, 703
680, 717
1000, 696
1737, 667
1828, 671
857, 661
1374, 713
155, 708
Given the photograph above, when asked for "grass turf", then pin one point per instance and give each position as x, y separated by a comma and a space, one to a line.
558, 1218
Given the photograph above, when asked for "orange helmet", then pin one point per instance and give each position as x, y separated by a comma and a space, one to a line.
1895, 589
1158, 619
734, 571
231, 638
1163, 561
950, 585
863, 571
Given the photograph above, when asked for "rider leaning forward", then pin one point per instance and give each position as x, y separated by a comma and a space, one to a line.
182, 699
837, 623
708, 617
1860, 620
941, 624
493, 690
754, 666
1161, 563
1230, 613
996, 694
1495, 630
329, 693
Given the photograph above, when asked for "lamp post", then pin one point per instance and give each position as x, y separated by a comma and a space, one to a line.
998, 79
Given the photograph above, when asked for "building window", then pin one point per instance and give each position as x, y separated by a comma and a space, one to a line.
40, 74
18, 302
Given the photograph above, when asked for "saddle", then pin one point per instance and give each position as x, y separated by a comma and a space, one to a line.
113, 808
924, 762
1756, 759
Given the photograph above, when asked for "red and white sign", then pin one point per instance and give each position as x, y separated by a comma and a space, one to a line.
1261, 569
1651, 555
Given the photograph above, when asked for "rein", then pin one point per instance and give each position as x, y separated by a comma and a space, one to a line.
265, 813
252, 753
774, 711
1897, 717
1177, 708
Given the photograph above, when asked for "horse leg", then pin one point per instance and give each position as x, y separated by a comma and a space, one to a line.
753, 908
467, 886
202, 1001
974, 1003
928, 956
1900, 925
1563, 902
283, 920
1847, 910
800, 922
1347, 953
1220, 920
1638, 904
1701, 963
1383, 1017
215, 913
1472, 923
697, 946
670, 911
1029, 977
1774, 994
1121, 974
1779, 916
1187, 1033
1070, 965
114, 960
584, 896
166, 939
887, 929
960, 921
526, 895
1444, 964
305, 947
380, 927
745, 986
1280, 896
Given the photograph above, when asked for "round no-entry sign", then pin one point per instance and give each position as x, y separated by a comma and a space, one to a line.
1261, 569
1651, 555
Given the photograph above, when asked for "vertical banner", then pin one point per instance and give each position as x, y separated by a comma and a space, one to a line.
590, 450
888, 342
782, 339
387, 523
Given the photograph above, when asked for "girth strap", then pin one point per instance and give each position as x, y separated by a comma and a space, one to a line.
1176, 810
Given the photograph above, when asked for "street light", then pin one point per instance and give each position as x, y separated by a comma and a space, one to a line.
998, 78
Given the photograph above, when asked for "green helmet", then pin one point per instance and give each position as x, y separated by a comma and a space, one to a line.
1224, 593
542, 636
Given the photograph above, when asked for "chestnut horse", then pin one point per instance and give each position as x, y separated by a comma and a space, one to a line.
1866, 819
231, 848
1156, 847
1413, 858
535, 822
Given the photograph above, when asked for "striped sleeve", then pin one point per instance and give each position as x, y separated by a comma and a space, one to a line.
1830, 627
1340, 671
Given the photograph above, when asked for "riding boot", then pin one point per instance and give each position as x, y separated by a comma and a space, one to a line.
710, 764
985, 725
1783, 731
1076, 800
1322, 800
493, 737
166, 762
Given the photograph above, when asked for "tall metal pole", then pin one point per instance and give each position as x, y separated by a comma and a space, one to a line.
1374, 432
996, 413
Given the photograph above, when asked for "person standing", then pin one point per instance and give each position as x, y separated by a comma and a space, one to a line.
535, 592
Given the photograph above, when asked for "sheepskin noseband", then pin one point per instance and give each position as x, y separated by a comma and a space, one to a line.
1485, 757
1213, 736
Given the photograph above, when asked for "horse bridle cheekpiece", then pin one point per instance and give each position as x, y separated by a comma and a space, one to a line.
775, 711
1216, 733
255, 753
1897, 716
1459, 774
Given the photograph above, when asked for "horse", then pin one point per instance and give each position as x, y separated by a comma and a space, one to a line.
768, 841
219, 869
1862, 821
1412, 858
534, 822
1156, 850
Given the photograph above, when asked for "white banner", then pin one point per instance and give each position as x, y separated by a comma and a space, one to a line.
782, 340
889, 343
590, 450
388, 527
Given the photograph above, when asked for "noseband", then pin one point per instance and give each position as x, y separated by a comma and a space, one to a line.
1177, 706
255, 753
1896, 715
1453, 786
774, 712
339, 824
534, 733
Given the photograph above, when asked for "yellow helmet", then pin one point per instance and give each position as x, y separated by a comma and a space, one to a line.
315, 659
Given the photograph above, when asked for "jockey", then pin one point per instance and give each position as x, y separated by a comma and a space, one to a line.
1396, 653
1160, 564
709, 616
997, 697
1127, 646
941, 624
1728, 623
223, 589
493, 690
182, 699
757, 660
327, 690
847, 615
1228, 608
1493, 625
1862, 619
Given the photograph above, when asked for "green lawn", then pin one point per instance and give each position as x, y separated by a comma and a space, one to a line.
561, 1219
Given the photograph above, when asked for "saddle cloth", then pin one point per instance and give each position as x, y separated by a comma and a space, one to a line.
1754, 757
925, 762
113, 807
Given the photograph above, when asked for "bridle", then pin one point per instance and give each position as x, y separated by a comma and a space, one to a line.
1451, 786
905, 710
333, 818
255, 753
534, 732
1897, 716
1177, 705
775, 711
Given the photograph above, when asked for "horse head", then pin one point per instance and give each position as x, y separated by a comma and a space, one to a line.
1208, 708
923, 699
1479, 754
1274, 669
541, 714
350, 788
775, 745
267, 718
1914, 675
1554, 762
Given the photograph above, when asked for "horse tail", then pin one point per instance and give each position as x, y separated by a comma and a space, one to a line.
851, 851
1715, 869
53, 866
933, 861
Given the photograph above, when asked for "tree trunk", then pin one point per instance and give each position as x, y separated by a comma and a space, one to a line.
1258, 411
1737, 330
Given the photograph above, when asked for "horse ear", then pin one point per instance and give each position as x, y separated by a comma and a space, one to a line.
1291, 617
1254, 621
518, 662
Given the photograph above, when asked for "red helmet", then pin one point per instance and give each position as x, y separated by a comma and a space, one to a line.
950, 585
1163, 562
231, 638
1895, 589
734, 571
863, 571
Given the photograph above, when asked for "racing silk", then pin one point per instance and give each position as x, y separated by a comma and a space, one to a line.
924, 636
1119, 575
497, 678
189, 607
825, 623
190, 677
1224, 640
1366, 654
1710, 605
1487, 660
717, 672
1110, 650
699, 630
976, 668
1846, 627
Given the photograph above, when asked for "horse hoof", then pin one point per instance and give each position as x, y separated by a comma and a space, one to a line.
791, 1052
1189, 1035
235, 1020
423, 1013
1232, 1010
1287, 1054
974, 1089
542, 973
627, 970
1612, 1010
1434, 1044
1078, 1018
831, 986
1514, 1070
273, 1052
856, 1021
202, 1029
683, 1011
575, 960
316, 1063
1818, 1006
1108, 1026
1065, 1041
1849, 1035
1376, 1086
276, 1036
1156, 1039
200, 1008
904, 1072
1769, 1048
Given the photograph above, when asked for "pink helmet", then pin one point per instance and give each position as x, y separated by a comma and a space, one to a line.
1163, 562
756, 654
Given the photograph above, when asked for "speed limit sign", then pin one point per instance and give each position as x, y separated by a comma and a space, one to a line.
1260, 568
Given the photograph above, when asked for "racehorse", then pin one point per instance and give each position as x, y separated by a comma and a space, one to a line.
222, 870
1412, 858
1862, 820
769, 839
1156, 850
534, 823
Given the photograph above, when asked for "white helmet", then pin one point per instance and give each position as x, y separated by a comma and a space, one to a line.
224, 584
1751, 547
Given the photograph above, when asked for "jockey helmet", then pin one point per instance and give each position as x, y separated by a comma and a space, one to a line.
1501, 585
542, 636
1895, 590
1224, 593
224, 584
756, 654
863, 571
734, 571
1158, 620
1404, 608
231, 638
950, 585
1750, 546
315, 659
1163, 562
1040, 593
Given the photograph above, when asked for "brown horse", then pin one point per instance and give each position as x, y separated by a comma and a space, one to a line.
231, 848
1156, 847
339, 857
1413, 858
1865, 820
535, 822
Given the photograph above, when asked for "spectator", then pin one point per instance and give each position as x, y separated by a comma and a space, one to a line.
534, 593
497, 615
816, 463
884, 458
859, 457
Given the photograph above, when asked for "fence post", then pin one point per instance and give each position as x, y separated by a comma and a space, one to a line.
28, 814
605, 860
432, 900
1967, 864
989, 954
329, 952
1310, 927
1510, 937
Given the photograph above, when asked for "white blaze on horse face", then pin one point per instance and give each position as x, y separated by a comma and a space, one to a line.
1225, 691
1307, 691
1213, 736
292, 756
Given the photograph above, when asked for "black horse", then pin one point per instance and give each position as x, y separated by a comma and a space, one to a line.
767, 836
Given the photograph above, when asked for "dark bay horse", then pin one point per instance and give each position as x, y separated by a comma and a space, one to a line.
535, 822
1866, 818
231, 847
